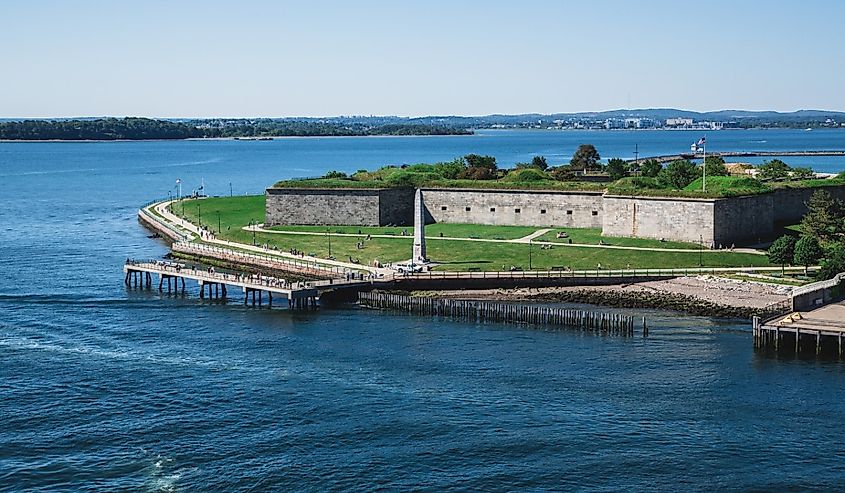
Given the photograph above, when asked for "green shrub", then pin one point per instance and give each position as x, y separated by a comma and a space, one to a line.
335, 174
527, 174
450, 169
420, 168
730, 185
405, 178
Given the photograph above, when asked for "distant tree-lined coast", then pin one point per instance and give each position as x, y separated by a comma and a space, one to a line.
148, 129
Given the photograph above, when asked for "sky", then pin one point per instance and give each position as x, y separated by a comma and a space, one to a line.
255, 58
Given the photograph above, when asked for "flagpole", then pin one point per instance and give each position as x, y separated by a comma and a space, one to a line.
704, 165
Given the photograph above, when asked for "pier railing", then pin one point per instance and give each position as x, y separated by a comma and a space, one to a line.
268, 261
817, 286
583, 274
180, 235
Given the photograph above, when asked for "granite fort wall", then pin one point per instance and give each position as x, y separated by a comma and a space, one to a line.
714, 221
356, 207
659, 217
749, 219
790, 203
515, 207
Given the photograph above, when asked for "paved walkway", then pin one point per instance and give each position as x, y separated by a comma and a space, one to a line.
528, 238
161, 209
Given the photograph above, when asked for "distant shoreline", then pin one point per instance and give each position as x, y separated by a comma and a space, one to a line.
475, 133
218, 139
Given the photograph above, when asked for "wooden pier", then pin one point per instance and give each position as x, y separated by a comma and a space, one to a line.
299, 295
547, 317
819, 331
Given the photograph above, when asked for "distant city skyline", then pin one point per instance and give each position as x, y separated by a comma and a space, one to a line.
278, 59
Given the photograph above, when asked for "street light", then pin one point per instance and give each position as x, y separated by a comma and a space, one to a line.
199, 213
700, 248
230, 189
253, 224
330, 241
219, 230
529, 254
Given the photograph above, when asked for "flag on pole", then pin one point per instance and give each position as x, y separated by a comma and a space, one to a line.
700, 142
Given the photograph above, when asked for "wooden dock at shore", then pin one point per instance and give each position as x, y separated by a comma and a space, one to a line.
821, 330
813, 322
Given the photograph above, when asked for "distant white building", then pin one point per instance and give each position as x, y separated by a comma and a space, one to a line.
679, 122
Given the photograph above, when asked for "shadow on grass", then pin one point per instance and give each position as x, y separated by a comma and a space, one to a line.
469, 262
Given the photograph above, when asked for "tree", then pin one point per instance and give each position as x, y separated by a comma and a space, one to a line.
773, 170
451, 169
825, 218
803, 174
650, 168
808, 252
476, 161
477, 173
715, 166
562, 173
678, 174
617, 169
540, 163
834, 263
586, 158
782, 251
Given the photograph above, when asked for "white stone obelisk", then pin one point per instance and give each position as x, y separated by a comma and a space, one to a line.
418, 256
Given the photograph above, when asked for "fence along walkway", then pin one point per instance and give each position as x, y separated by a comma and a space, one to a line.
593, 321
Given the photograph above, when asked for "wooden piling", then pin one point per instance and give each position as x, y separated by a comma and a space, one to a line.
477, 311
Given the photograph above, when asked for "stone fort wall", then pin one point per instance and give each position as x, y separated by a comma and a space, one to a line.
515, 207
659, 217
356, 207
724, 221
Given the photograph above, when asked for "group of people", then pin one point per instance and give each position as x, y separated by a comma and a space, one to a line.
206, 234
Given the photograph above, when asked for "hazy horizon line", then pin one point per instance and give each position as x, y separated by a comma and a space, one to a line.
419, 116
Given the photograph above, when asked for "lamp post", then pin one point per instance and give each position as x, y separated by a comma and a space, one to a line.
330, 242
230, 189
254, 225
199, 213
529, 254
219, 229
636, 158
700, 248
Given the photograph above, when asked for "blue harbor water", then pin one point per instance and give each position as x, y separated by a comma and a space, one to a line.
104, 389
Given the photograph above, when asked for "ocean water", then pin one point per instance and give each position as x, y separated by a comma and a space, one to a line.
108, 389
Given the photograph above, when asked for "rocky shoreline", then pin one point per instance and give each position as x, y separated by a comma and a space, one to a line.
702, 296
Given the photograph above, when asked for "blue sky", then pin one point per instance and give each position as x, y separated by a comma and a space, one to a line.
318, 58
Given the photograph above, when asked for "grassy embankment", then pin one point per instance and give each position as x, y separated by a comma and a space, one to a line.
237, 212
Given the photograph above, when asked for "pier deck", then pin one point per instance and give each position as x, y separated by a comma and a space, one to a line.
298, 294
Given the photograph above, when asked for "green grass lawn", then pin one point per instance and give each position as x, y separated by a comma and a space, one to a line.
237, 212
431, 230
592, 236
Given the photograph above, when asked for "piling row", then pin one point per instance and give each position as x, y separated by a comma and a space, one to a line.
594, 321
